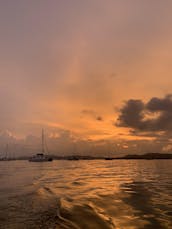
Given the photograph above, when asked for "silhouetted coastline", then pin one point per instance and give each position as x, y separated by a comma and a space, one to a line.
147, 156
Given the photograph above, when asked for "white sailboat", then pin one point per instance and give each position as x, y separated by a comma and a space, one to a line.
41, 157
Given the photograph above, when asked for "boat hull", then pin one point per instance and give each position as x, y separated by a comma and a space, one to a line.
41, 160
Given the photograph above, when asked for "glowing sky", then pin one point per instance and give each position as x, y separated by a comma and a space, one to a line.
70, 65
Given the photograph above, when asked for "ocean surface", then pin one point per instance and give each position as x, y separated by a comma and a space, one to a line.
94, 194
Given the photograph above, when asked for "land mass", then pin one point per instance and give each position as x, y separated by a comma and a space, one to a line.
147, 156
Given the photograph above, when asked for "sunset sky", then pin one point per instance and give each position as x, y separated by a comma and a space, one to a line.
95, 70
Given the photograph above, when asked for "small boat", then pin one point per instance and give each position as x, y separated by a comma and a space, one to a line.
73, 158
41, 157
109, 158
5, 157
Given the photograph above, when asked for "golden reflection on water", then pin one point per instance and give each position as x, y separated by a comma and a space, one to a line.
86, 194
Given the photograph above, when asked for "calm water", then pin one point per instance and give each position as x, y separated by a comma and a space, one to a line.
86, 194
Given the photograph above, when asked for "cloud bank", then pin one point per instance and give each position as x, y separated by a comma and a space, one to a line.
153, 116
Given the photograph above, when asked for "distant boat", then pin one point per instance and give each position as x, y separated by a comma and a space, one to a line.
41, 157
73, 158
5, 158
109, 158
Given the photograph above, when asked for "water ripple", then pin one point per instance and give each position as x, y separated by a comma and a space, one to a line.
86, 194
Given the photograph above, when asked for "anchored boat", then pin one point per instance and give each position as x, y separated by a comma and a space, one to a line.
41, 157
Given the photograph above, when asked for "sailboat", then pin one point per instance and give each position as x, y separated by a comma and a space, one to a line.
41, 157
5, 157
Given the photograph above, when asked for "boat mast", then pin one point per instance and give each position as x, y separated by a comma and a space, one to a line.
43, 148
6, 151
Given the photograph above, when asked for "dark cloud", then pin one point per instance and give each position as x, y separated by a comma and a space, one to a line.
160, 104
99, 118
155, 115
91, 113
131, 114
